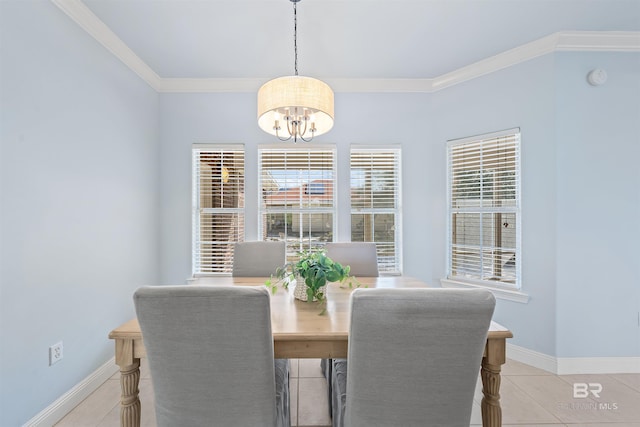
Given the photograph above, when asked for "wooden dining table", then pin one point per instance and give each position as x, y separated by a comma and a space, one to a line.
306, 330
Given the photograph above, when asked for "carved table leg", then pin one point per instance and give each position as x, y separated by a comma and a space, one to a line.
491, 410
129, 401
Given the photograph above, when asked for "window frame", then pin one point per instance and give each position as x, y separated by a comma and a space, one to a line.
510, 290
196, 226
394, 151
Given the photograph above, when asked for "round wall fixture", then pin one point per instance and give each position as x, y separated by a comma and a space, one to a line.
597, 77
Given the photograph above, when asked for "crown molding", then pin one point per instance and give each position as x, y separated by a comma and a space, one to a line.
252, 85
86, 19
606, 41
503, 60
616, 41
381, 85
210, 85
579, 41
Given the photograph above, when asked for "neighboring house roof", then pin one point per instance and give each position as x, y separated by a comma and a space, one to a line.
319, 190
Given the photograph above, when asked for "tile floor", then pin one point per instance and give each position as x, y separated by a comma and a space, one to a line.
529, 396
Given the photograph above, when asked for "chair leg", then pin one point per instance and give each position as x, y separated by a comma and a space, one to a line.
283, 409
339, 391
326, 366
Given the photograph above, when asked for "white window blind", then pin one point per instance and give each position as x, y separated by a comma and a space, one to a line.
297, 198
484, 208
218, 206
375, 203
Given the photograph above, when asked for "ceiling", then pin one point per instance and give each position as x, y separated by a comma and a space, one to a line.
345, 39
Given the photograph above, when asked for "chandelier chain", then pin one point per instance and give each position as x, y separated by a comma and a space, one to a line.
295, 38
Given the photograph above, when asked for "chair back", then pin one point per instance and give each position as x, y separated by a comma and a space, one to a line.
258, 259
210, 352
414, 355
361, 257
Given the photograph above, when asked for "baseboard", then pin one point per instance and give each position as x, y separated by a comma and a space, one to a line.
532, 358
574, 365
598, 365
65, 403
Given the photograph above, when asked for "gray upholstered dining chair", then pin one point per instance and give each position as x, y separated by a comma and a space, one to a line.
362, 259
258, 258
210, 352
414, 355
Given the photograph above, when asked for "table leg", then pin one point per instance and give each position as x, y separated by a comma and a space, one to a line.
129, 401
494, 358
129, 380
491, 411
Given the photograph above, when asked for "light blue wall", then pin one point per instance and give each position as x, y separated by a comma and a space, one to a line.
186, 119
598, 205
520, 96
79, 200
581, 196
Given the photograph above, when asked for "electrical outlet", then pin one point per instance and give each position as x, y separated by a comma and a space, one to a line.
55, 353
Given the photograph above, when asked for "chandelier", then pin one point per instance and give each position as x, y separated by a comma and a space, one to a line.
295, 106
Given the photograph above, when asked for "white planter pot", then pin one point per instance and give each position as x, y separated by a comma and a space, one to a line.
300, 291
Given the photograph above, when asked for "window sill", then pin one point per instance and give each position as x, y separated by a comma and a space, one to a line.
505, 294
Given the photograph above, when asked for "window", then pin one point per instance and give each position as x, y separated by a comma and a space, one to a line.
484, 208
375, 203
298, 204
218, 206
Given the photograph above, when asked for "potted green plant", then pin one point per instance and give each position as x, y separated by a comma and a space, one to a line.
311, 273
